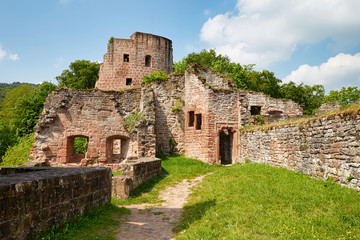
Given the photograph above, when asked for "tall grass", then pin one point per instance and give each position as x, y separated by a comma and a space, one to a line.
256, 201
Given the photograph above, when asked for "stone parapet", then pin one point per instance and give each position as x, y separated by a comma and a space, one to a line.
325, 147
32, 200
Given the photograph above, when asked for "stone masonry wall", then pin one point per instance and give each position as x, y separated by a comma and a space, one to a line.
32, 200
272, 109
169, 114
215, 99
326, 147
135, 172
139, 48
99, 116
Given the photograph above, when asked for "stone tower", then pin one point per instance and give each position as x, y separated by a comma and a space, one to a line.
127, 60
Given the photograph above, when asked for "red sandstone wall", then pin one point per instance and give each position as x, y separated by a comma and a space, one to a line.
114, 70
100, 117
213, 97
169, 122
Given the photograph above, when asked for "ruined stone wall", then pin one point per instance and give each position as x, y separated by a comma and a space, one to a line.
101, 117
33, 200
134, 172
329, 146
169, 114
116, 67
214, 98
272, 109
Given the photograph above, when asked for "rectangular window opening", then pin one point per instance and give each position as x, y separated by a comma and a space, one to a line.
198, 121
255, 110
128, 81
126, 58
147, 61
191, 118
116, 146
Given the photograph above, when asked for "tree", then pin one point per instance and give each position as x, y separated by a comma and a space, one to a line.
309, 97
265, 82
27, 110
219, 64
7, 137
11, 97
345, 96
82, 74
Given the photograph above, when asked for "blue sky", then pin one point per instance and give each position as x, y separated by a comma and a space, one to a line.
314, 42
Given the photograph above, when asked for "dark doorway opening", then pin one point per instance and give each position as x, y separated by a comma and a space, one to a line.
226, 145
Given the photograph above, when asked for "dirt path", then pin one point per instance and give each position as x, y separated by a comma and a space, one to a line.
149, 222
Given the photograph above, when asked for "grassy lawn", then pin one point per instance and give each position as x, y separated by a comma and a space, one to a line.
174, 170
255, 201
100, 223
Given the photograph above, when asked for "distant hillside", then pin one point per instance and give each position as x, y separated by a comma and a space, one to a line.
4, 87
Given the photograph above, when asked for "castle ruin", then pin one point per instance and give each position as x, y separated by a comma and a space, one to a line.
198, 113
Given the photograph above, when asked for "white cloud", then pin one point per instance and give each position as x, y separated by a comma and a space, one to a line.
340, 71
5, 55
206, 12
14, 57
59, 63
2, 53
266, 31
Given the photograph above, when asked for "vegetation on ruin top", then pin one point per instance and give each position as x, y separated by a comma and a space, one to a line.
148, 79
257, 201
350, 110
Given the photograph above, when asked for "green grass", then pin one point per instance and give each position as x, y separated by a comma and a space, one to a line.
100, 223
174, 170
116, 173
255, 201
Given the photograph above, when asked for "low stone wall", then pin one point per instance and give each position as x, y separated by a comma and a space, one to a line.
326, 147
135, 172
32, 200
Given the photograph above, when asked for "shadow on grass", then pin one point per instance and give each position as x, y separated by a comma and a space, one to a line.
147, 186
193, 213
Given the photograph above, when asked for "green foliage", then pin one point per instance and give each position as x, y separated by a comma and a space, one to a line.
82, 74
111, 40
80, 144
99, 223
172, 146
179, 104
11, 97
7, 137
27, 110
18, 153
148, 79
309, 97
345, 96
131, 121
257, 201
247, 161
259, 119
350, 177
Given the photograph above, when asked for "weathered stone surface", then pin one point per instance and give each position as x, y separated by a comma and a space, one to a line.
328, 107
222, 110
134, 172
101, 117
32, 200
325, 147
